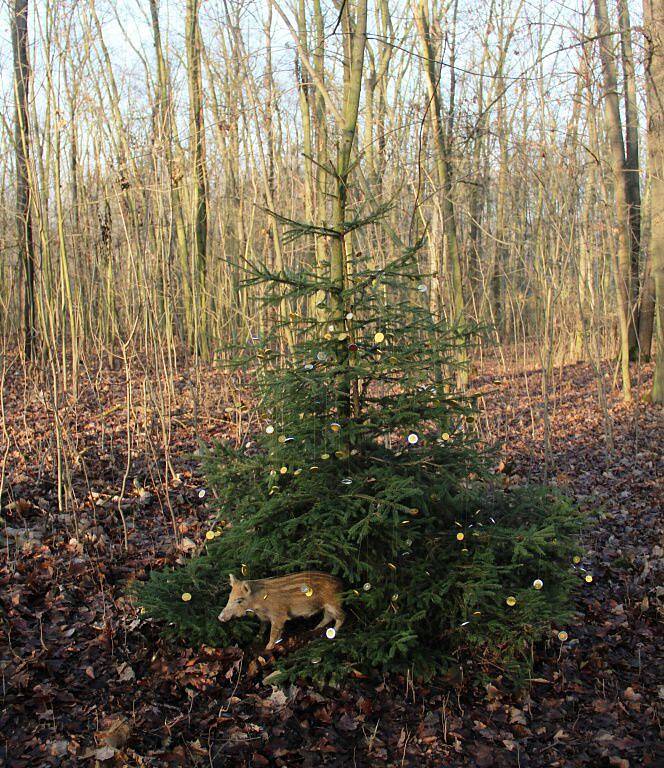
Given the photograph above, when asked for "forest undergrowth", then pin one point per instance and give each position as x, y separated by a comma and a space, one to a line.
85, 680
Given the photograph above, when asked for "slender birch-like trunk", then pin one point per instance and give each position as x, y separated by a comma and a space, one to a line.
353, 75
653, 15
614, 132
26, 246
633, 180
199, 207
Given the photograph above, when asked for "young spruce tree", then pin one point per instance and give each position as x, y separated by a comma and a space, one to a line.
368, 468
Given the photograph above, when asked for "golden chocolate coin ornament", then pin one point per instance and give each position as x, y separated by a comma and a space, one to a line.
589, 578
186, 597
330, 633
576, 559
413, 439
538, 583
346, 481
297, 472
325, 456
269, 429
349, 315
460, 536
314, 468
315, 661
445, 435
335, 426
366, 587
422, 288
562, 636
378, 337
210, 535
283, 470
306, 590
511, 600
282, 439
244, 569
201, 493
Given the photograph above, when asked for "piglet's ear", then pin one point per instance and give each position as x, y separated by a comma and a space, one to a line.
232, 579
246, 587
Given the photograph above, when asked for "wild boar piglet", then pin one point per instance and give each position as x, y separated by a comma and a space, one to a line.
281, 598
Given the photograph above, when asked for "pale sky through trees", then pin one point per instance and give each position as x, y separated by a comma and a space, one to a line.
126, 28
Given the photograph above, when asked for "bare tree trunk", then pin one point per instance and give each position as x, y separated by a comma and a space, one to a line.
26, 246
444, 170
164, 140
620, 186
199, 188
647, 303
320, 122
351, 103
631, 168
653, 15
442, 160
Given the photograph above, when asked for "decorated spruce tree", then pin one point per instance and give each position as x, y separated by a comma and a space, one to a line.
368, 468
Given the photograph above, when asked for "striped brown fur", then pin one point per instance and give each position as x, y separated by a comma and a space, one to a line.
280, 598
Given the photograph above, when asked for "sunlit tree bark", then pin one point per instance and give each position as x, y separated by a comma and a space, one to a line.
198, 205
26, 247
653, 14
613, 121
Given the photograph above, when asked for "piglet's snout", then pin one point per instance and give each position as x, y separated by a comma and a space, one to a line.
222, 616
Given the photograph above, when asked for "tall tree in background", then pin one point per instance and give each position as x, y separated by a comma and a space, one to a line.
449, 258
26, 249
653, 15
442, 155
164, 130
623, 267
632, 180
340, 247
198, 204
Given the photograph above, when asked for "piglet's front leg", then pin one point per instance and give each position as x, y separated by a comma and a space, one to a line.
276, 629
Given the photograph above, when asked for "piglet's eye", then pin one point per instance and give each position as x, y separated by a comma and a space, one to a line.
240, 599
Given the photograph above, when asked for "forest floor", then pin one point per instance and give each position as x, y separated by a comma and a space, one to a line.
86, 681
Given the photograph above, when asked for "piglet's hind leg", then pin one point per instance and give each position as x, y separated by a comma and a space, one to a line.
327, 617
